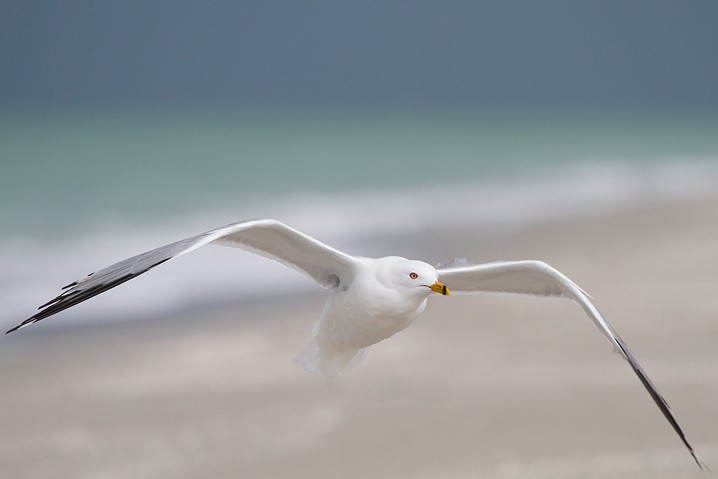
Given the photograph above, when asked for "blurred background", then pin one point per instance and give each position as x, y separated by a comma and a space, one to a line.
585, 133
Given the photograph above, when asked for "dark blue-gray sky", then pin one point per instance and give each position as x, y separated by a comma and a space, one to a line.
452, 54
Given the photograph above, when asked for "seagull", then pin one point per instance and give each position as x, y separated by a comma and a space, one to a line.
370, 299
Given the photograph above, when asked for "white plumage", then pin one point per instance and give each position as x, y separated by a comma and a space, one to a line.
370, 299
382, 297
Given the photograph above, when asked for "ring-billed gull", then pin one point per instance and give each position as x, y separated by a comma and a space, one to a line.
371, 299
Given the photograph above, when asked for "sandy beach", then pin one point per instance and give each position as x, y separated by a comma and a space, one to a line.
479, 387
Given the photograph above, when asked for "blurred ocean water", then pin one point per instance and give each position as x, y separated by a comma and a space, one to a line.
79, 191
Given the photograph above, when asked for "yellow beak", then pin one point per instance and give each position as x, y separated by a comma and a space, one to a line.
440, 288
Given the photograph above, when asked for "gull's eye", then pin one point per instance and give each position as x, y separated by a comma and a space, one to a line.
413, 275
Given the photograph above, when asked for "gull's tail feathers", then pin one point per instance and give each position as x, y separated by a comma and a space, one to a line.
328, 358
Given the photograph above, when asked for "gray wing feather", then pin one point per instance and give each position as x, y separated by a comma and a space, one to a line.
327, 266
539, 279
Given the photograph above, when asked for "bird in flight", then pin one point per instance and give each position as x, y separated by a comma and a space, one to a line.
370, 299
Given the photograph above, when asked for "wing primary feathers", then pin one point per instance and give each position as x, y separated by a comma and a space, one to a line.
71, 298
658, 399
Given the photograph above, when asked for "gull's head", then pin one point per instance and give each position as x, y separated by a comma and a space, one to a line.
414, 276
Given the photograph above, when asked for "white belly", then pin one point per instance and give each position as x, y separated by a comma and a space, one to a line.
348, 320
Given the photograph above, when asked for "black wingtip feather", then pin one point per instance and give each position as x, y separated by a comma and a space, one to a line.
660, 402
14, 329
53, 300
27, 322
70, 298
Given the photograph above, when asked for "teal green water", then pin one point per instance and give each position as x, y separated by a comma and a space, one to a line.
63, 169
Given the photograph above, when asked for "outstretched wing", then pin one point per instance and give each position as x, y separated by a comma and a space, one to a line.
539, 279
325, 265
